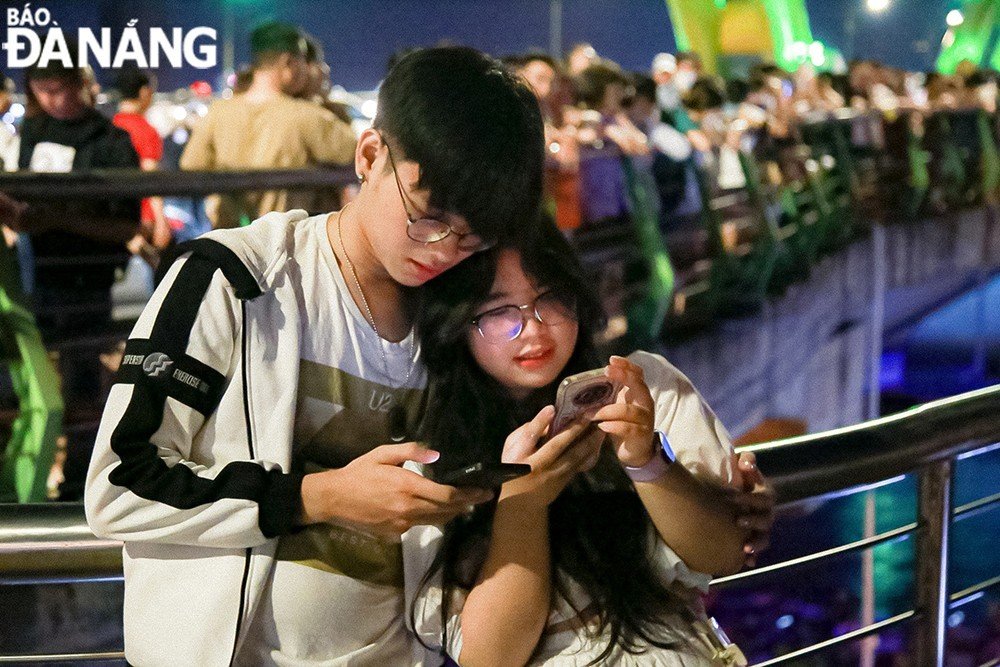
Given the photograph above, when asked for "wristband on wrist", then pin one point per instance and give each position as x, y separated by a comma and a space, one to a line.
663, 457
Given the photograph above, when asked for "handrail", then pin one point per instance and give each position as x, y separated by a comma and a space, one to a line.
134, 183
850, 547
816, 464
48, 539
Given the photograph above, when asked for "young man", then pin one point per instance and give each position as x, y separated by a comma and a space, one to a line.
241, 455
64, 133
267, 128
136, 89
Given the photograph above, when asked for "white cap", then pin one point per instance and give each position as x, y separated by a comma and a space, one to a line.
664, 62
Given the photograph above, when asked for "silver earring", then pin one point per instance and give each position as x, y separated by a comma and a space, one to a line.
361, 178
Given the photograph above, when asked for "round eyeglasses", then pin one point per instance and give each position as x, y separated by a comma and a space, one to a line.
505, 323
432, 230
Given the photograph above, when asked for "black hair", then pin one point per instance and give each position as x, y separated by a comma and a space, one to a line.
592, 82
761, 72
476, 131
272, 39
600, 534
398, 55
704, 95
980, 77
56, 68
737, 90
688, 56
314, 49
72, 75
129, 81
519, 60
644, 86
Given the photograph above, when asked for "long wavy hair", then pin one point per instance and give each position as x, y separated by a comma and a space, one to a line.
600, 534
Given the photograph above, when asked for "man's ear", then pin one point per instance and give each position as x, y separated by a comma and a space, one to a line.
367, 152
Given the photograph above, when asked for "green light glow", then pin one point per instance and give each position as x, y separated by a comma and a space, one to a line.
968, 41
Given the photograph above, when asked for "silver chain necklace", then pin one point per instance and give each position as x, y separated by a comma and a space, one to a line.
397, 416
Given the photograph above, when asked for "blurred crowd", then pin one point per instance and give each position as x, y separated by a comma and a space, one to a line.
676, 115
668, 120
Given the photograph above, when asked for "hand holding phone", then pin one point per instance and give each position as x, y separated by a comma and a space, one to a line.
582, 395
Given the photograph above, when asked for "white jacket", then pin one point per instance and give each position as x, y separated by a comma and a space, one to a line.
190, 467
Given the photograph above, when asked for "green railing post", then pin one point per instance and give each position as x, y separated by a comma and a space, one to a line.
32, 446
647, 315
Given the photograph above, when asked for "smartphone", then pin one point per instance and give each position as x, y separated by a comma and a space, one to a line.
580, 395
483, 475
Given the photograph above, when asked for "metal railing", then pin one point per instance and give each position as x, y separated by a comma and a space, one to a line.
52, 544
925, 440
134, 183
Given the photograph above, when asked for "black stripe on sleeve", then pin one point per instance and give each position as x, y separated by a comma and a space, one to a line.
193, 383
141, 469
244, 284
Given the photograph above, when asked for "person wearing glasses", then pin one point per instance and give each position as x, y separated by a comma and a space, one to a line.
597, 556
250, 455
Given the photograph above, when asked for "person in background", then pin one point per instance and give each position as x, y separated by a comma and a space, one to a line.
317, 91
267, 127
136, 89
771, 91
604, 88
688, 70
668, 97
605, 134
562, 155
9, 142
317, 88
671, 150
580, 57
78, 244
704, 103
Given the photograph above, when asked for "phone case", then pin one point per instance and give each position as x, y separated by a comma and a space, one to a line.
582, 393
484, 476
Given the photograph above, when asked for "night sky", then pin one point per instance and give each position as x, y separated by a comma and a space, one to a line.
360, 35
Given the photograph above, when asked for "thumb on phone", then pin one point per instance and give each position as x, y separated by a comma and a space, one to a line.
397, 455
541, 422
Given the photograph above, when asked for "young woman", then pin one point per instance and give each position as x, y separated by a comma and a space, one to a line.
575, 563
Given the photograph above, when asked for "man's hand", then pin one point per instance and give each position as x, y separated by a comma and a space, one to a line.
754, 504
374, 492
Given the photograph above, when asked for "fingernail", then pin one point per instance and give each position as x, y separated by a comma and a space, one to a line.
750, 550
430, 456
615, 357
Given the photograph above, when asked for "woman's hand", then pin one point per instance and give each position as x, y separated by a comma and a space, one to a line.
629, 420
754, 506
554, 463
